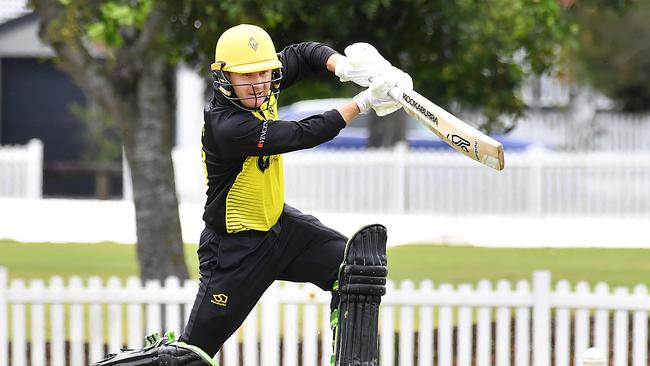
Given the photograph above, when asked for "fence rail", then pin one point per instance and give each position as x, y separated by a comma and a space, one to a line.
525, 323
21, 170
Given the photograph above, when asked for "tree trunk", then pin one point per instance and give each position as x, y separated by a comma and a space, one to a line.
137, 89
148, 149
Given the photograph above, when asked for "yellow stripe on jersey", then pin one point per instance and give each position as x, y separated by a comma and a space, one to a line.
203, 157
256, 198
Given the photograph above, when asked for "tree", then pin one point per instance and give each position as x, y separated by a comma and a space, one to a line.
613, 53
475, 54
112, 51
122, 55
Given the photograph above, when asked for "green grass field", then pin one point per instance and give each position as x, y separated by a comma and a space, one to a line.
440, 263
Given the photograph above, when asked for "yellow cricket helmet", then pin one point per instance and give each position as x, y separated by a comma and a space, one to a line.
245, 48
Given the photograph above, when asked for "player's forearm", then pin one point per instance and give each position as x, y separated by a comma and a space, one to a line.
348, 111
332, 60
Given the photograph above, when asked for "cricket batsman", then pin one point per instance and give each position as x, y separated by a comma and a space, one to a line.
251, 236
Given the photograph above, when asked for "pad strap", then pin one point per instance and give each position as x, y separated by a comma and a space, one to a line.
364, 280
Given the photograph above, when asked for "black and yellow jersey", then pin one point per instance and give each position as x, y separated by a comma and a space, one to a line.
242, 150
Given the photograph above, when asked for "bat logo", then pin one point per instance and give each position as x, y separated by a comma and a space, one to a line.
425, 112
459, 141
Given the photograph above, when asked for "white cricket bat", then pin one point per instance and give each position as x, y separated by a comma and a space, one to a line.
462, 137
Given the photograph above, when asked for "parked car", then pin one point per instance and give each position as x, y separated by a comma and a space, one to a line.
355, 136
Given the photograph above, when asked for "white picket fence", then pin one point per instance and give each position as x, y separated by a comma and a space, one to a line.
603, 132
21, 170
527, 323
546, 91
536, 183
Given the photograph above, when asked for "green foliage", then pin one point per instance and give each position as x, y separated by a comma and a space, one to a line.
108, 25
114, 16
475, 53
613, 53
102, 138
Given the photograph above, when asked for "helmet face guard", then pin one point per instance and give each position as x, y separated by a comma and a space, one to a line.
223, 85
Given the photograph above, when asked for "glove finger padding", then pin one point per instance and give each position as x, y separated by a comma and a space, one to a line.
383, 104
361, 63
386, 108
392, 78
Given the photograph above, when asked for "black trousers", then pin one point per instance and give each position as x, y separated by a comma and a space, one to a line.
236, 269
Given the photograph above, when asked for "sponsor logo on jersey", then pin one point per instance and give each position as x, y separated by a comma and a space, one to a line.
263, 162
265, 127
219, 299
425, 112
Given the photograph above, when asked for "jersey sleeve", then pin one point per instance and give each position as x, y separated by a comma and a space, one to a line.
302, 60
240, 134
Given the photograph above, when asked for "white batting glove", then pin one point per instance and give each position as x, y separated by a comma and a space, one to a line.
360, 64
376, 96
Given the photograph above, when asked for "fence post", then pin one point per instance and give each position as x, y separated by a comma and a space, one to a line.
35, 169
18, 327
96, 323
57, 332
38, 325
250, 352
535, 196
484, 327
77, 352
621, 327
601, 320
127, 185
406, 340
640, 335
270, 327
503, 338
522, 328
541, 318
400, 153
4, 327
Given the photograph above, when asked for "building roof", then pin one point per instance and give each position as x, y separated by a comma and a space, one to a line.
10, 9
19, 38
